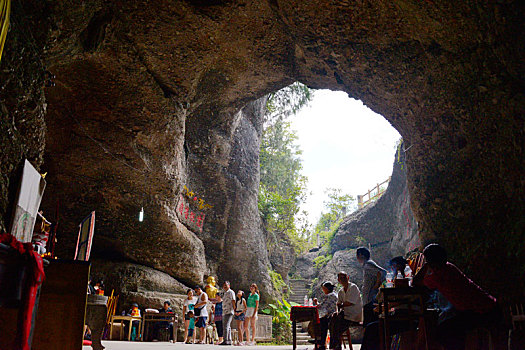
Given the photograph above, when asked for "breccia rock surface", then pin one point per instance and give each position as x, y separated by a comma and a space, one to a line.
136, 81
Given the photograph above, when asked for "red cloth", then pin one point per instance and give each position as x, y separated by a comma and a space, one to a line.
35, 276
459, 290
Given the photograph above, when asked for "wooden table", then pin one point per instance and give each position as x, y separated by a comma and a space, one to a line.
153, 317
302, 314
413, 302
121, 320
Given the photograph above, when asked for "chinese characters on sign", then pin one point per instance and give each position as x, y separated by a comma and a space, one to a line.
193, 219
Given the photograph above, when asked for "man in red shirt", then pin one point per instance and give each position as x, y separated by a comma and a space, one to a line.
474, 307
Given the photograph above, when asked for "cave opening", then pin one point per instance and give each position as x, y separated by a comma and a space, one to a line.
344, 145
173, 97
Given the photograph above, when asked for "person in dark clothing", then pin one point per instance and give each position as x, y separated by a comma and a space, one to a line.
166, 309
474, 307
398, 265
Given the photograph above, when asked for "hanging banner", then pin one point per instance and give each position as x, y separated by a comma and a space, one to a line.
85, 237
32, 186
194, 219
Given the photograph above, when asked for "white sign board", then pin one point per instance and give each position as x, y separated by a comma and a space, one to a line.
30, 193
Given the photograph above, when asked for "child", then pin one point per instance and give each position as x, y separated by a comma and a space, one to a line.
135, 312
191, 328
239, 315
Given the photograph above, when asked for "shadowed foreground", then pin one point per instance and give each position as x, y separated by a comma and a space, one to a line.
124, 345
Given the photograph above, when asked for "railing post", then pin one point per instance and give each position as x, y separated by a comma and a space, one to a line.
359, 201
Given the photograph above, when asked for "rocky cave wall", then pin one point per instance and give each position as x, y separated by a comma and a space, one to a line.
135, 80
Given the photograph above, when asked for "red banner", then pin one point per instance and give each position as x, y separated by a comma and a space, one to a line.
192, 218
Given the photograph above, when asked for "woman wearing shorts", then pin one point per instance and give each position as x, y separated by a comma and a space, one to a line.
239, 315
189, 303
251, 314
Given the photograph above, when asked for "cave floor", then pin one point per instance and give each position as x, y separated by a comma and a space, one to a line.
124, 345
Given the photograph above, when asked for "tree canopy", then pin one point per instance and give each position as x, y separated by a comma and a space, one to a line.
283, 187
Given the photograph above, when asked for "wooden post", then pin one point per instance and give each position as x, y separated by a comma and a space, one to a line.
294, 327
359, 201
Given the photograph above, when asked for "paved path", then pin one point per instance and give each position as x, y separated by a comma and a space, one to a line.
124, 345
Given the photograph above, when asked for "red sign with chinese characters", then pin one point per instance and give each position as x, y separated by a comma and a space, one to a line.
189, 217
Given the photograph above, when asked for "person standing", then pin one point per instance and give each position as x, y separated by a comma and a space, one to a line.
228, 305
201, 312
216, 309
350, 310
189, 304
240, 316
251, 314
373, 276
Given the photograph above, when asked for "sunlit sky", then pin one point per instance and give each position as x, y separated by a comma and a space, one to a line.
345, 145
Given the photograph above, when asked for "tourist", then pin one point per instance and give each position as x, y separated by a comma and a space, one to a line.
191, 328
135, 312
350, 310
251, 314
90, 288
201, 313
166, 309
216, 309
398, 265
326, 307
99, 287
473, 306
240, 315
188, 305
227, 312
373, 276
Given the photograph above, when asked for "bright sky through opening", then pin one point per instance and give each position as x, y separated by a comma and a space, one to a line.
345, 145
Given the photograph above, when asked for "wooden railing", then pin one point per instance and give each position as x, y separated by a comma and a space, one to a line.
373, 194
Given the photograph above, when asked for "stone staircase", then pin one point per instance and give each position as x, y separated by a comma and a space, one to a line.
299, 288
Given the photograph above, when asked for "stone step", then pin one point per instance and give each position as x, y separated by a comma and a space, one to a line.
303, 342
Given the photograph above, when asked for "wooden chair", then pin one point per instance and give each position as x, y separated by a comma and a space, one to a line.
346, 336
516, 338
414, 311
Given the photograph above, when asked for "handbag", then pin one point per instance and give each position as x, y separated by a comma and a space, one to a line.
197, 311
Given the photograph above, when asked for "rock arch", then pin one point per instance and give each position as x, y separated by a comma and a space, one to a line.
151, 96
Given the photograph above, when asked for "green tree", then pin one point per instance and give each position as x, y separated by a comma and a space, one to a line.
338, 205
282, 188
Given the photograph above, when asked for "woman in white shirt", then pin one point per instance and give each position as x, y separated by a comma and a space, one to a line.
189, 304
239, 315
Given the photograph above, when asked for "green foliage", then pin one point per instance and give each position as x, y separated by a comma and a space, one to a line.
282, 188
287, 101
337, 204
360, 240
399, 149
322, 260
281, 324
278, 282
